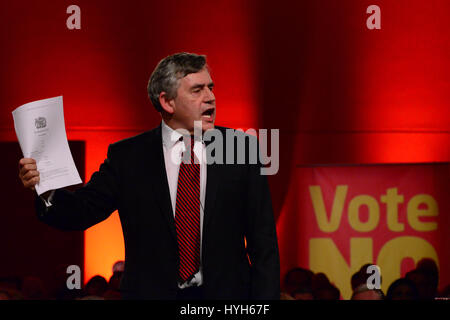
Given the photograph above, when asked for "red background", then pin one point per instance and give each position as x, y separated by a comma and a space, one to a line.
338, 92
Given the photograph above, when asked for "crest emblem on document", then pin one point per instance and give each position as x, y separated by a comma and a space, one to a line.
40, 122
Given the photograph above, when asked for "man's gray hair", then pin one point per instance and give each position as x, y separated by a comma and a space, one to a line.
167, 74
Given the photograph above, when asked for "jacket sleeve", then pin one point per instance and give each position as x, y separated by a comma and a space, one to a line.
262, 244
89, 205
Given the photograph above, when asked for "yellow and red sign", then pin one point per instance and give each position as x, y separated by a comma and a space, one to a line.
338, 218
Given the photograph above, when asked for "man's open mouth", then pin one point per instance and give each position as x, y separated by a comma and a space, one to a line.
208, 113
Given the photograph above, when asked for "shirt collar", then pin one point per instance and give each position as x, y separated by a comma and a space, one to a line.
169, 136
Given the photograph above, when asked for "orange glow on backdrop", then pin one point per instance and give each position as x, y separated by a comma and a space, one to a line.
104, 241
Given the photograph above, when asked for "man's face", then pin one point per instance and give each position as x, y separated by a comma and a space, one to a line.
195, 101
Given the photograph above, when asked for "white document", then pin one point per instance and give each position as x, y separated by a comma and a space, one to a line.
42, 136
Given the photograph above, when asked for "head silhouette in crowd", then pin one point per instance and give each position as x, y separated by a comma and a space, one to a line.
96, 286
298, 279
424, 283
364, 293
430, 269
402, 289
360, 277
323, 289
118, 266
303, 293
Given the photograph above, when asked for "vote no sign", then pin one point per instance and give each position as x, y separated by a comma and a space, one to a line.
338, 218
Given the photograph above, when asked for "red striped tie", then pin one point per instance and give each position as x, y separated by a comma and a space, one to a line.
187, 217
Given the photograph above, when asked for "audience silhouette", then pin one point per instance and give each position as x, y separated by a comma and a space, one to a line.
298, 283
402, 289
420, 283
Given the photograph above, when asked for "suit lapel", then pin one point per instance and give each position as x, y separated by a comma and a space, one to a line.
158, 178
212, 184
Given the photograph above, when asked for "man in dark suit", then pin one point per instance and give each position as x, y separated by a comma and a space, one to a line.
194, 229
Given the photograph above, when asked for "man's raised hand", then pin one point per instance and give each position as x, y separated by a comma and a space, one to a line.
28, 173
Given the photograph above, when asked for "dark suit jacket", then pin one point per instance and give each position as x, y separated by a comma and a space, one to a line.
133, 180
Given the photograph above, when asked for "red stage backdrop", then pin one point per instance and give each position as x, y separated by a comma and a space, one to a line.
338, 92
337, 219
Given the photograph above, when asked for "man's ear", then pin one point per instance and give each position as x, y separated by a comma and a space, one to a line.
166, 103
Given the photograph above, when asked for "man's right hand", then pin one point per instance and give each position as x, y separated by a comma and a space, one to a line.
28, 173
